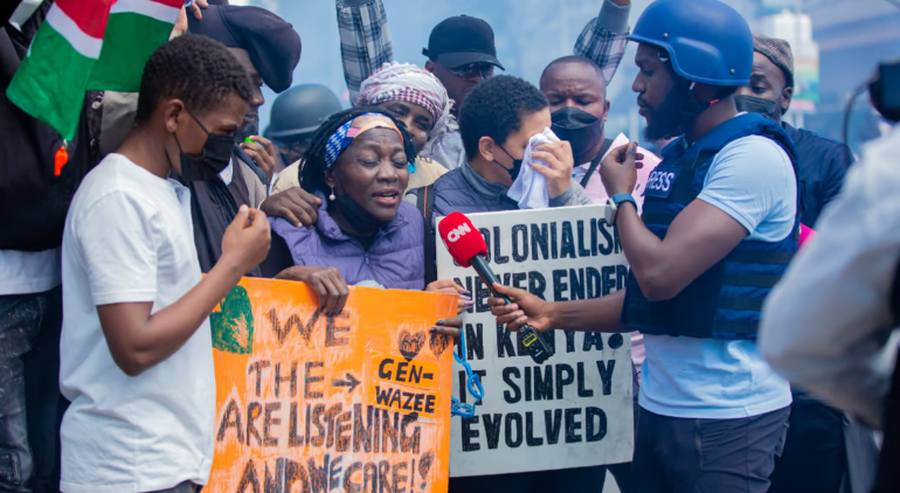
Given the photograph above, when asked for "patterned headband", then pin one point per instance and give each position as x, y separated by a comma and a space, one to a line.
343, 136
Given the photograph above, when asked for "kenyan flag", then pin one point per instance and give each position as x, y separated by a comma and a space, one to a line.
88, 45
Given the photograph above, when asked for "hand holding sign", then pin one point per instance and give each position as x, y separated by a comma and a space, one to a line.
327, 282
450, 327
618, 170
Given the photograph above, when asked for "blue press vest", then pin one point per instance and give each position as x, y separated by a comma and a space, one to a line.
726, 300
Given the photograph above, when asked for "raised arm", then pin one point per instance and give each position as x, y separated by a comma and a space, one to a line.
603, 38
365, 40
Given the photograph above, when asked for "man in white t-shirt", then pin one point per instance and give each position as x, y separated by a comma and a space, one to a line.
137, 364
719, 226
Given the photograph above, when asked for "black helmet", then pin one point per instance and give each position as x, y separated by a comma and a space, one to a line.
301, 109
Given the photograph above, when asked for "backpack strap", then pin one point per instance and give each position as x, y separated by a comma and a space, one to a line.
252, 164
596, 162
425, 204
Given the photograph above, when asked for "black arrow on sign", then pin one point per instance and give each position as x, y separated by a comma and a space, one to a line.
351, 382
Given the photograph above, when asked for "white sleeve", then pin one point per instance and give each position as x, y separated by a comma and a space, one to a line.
117, 241
826, 326
752, 180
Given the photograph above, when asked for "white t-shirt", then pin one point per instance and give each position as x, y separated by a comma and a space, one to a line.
751, 179
128, 239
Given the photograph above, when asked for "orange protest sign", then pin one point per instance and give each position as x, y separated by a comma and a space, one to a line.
356, 403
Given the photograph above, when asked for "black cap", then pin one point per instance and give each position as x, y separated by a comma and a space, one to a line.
462, 40
273, 45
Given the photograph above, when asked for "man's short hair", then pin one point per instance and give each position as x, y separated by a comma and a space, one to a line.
495, 108
575, 59
199, 71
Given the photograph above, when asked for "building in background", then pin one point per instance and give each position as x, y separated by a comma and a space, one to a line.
853, 36
796, 29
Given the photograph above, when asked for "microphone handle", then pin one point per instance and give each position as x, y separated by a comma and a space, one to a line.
537, 347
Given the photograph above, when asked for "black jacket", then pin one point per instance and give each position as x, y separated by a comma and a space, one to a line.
822, 164
34, 200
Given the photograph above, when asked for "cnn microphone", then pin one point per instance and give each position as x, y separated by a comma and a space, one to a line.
468, 249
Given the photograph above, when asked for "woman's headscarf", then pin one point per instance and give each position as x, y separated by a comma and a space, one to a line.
412, 84
344, 135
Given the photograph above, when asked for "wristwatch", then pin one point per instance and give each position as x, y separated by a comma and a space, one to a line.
613, 205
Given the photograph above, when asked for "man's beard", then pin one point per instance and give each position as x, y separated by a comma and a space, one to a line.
669, 120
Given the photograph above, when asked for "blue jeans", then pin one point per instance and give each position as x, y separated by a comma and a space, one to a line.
31, 406
678, 455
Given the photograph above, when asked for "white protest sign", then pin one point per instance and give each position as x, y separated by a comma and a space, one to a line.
575, 410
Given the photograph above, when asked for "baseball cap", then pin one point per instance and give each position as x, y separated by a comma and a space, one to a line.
462, 40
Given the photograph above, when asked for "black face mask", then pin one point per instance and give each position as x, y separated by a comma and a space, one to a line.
355, 215
517, 165
582, 129
215, 157
753, 104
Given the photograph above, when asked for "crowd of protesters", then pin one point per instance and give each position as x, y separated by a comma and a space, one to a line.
109, 272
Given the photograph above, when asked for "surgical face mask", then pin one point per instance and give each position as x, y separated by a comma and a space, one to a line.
753, 104
517, 165
582, 129
215, 156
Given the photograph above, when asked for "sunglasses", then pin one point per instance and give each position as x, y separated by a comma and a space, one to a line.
485, 70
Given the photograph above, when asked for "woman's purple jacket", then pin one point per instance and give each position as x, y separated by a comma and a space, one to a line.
396, 259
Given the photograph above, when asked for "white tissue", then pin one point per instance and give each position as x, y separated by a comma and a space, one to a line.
530, 188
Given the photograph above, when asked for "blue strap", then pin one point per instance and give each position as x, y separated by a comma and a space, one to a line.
473, 383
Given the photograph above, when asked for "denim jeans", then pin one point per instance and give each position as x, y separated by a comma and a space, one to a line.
31, 406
